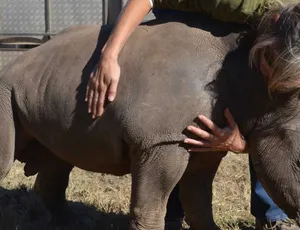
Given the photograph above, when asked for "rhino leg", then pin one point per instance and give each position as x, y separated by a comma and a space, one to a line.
155, 173
196, 192
7, 132
52, 179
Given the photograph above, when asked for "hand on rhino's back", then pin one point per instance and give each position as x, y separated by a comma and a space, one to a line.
164, 70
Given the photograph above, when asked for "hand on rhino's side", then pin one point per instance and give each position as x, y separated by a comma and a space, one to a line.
103, 83
226, 139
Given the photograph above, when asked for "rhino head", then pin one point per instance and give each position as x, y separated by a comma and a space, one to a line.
265, 100
274, 143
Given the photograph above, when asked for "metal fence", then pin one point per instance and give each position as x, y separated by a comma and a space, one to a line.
27, 23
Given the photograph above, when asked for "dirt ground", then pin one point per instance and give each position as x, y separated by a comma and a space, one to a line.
102, 201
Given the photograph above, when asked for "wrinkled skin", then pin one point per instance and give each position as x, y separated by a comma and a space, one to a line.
166, 81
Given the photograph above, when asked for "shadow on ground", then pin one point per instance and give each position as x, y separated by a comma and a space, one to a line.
239, 224
244, 226
22, 209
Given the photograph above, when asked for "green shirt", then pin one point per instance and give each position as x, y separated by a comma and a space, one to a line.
224, 10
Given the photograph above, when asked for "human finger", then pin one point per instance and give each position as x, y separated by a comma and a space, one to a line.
95, 99
87, 93
201, 150
230, 119
90, 95
201, 133
100, 108
197, 143
210, 124
88, 88
112, 90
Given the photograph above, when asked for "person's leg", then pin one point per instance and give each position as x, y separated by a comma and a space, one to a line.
262, 206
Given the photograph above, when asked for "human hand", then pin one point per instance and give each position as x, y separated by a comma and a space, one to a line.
226, 139
103, 82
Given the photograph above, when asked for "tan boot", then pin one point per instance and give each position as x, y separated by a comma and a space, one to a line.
276, 225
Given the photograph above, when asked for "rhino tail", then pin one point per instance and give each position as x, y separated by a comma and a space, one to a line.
7, 131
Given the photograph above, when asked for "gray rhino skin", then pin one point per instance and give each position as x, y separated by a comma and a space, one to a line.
168, 73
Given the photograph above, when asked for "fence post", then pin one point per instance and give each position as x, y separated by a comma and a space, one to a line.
114, 9
47, 21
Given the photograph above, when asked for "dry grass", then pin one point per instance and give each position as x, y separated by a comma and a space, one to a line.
102, 201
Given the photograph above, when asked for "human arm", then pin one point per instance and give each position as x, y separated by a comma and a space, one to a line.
105, 77
226, 139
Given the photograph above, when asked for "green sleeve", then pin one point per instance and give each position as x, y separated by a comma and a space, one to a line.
225, 10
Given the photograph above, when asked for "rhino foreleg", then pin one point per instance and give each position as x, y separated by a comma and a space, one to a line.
155, 173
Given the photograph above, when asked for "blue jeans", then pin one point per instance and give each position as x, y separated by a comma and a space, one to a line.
262, 206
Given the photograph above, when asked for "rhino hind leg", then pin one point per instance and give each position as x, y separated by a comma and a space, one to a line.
196, 193
155, 173
52, 179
